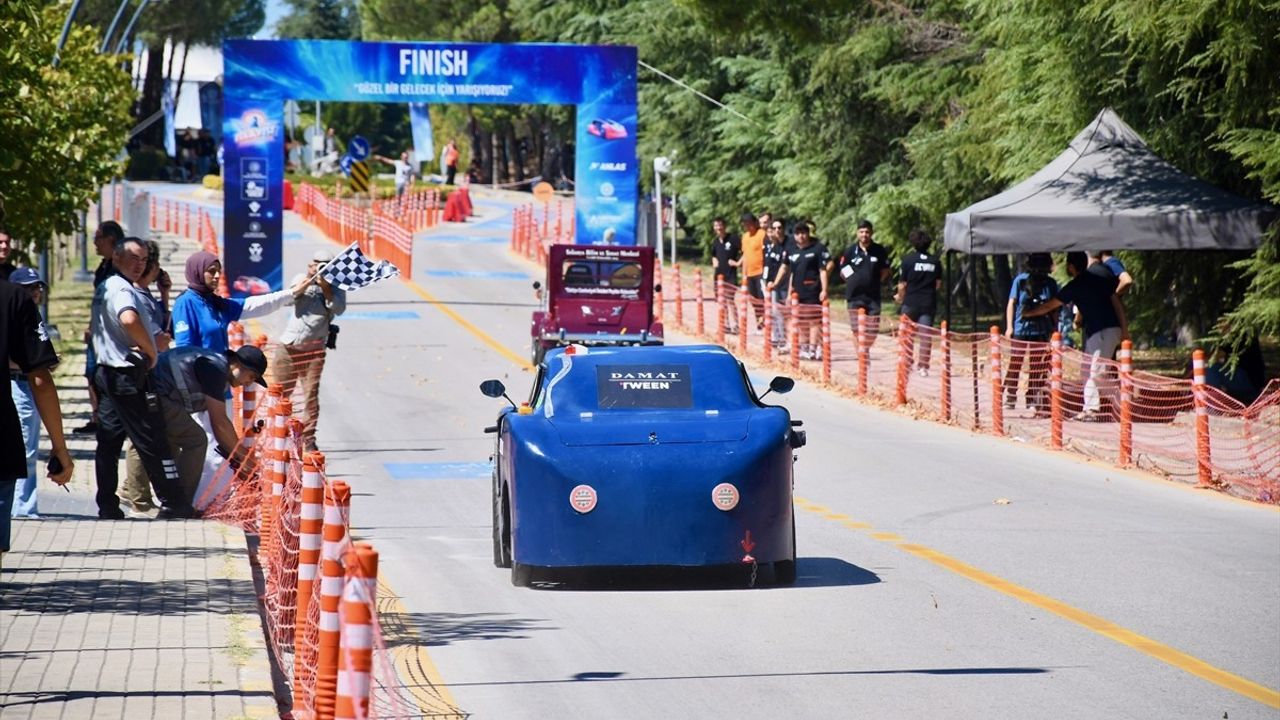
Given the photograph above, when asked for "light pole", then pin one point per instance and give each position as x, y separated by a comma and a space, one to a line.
660, 165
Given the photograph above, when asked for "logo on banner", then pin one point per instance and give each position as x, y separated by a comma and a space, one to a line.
255, 128
255, 252
255, 231
254, 207
253, 180
606, 189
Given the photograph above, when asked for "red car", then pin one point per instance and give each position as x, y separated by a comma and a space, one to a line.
596, 295
250, 285
607, 129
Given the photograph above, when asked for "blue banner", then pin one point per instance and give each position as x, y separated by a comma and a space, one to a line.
260, 74
423, 142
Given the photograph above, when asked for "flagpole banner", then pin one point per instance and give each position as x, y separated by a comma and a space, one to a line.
259, 75
423, 142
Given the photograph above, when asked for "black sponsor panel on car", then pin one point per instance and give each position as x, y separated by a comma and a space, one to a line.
643, 386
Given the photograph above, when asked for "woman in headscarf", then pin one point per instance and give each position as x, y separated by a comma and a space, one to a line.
201, 316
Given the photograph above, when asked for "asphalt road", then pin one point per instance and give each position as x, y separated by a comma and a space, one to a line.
1091, 593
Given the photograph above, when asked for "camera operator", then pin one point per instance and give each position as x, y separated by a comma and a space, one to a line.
1031, 289
302, 345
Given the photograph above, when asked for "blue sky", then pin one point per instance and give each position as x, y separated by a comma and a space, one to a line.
275, 10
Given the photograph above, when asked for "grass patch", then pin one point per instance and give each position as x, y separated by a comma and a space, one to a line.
237, 649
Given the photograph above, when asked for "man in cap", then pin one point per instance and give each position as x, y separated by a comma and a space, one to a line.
24, 342
24, 399
6, 250
192, 380
300, 357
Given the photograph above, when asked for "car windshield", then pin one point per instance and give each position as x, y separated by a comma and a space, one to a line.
579, 273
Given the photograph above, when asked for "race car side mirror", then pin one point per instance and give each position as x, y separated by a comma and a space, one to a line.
781, 385
537, 290
495, 389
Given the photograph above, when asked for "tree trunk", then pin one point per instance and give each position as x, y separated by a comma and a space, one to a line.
1003, 280
182, 75
983, 285
495, 156
152, 91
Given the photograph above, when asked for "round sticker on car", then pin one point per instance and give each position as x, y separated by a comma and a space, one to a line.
583, 499
725, 496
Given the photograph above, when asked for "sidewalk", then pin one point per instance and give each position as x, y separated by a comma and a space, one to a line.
126, 619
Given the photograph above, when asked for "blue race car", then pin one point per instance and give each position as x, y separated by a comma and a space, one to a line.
643, 457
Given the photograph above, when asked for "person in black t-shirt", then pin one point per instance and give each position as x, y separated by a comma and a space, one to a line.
725, 251
775, 256
104, 241
864, 265
917, 294
807, 267
25, 342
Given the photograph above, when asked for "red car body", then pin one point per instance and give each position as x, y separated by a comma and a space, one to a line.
596, 295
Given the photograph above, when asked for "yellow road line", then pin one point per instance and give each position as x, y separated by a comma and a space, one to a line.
487, 339
418, 662
1106, 628
856, 525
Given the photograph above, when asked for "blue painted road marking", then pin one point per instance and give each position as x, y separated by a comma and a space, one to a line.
476, 274
438, 470
462, 239
382, 315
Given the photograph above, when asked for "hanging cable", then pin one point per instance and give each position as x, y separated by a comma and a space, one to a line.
699, 93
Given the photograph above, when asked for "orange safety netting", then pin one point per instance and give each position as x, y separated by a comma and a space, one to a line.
1036, 391
383, 229
280, 494
533, 229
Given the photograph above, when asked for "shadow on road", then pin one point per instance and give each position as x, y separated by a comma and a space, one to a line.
446, 628
811, 572
614, 676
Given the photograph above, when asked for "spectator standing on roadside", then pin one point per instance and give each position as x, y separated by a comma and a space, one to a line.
917, 293
726, 250
864, 265
1031, 288
201, 316
1123, 279
1102, 316
775, 256
193, 381
206, 153
135, 492
300, 357
751, 262
25, 342
6, 252
403, 171
127, 406
25, 496
104, 241
451, 161
807, 268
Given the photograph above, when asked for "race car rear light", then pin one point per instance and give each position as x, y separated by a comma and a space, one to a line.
725, 496
583, 499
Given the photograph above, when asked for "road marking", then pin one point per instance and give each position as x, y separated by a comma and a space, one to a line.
1145, 645
381, 315
856, 525
468, 326
438, 470
476, 274
415, 665
1106, 628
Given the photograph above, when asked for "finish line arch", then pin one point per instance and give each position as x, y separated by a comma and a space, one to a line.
259, 75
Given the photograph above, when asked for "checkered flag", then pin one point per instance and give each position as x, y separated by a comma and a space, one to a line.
351, 269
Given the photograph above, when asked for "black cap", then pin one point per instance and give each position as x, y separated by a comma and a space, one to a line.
254, 359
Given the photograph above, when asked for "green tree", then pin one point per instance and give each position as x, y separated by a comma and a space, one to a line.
320, 20
62, 127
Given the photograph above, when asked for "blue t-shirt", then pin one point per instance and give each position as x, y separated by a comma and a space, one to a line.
1025, 294
1114, 265
202, 322
1092, 297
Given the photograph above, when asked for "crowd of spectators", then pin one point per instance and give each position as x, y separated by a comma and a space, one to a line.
159, 376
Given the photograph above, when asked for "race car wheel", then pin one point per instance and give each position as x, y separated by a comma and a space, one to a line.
521, 575
501, 530
784, 571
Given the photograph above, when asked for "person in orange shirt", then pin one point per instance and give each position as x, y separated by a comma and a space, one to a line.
751, 263
451, 161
